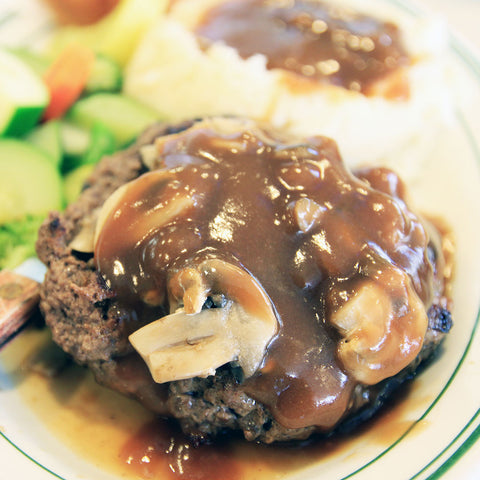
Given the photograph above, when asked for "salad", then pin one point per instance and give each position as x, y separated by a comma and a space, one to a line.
62, 110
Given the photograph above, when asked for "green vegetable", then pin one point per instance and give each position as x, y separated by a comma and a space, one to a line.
83, 145
74, 182
122, 115
106, 76
23, 96
17, 240
74, 139
29, 183
102, 143
46, 137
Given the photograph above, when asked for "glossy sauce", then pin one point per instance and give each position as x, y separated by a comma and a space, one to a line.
119, 436
309, 38
159, 446
237, 191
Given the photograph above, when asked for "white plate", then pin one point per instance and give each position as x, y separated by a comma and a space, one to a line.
441, 414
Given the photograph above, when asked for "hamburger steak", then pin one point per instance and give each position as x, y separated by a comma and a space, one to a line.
238, 278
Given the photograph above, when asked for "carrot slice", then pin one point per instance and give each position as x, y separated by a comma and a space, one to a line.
66, 78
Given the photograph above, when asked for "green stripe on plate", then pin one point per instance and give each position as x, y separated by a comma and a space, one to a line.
473, 65
432, 405
465, 444
43, 467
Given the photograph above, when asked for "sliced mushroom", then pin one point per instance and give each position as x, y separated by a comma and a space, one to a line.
90, 227
149, 155
110, 204
383, 327
84, 239
193, 342
307, 213
169, 206
181, 345
188, 285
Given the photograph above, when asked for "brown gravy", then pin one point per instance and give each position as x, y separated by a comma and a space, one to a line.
239, 190
325, 43
121, 437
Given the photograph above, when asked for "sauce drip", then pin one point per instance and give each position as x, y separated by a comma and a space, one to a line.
233, 195
128, 441
325, 43
160, 449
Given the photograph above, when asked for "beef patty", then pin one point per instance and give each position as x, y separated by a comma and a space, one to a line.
236, 278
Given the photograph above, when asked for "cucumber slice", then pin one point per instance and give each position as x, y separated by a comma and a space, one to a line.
74, 139
74, 181
125, 117
82, 145
29, 183
46, 137
102, 143
106, 76
23, 96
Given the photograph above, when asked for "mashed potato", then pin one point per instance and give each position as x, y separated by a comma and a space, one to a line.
180, 76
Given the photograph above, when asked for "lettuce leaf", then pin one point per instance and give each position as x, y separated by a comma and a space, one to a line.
17, 240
